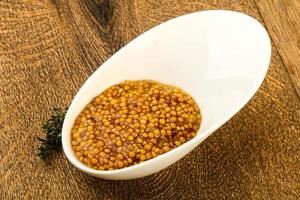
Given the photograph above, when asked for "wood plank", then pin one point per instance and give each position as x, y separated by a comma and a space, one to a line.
282, 19
49, 48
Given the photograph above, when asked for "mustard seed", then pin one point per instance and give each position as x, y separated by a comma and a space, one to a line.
94, 161
131, 154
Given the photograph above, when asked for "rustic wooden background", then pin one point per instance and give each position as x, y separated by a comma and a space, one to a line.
49, 48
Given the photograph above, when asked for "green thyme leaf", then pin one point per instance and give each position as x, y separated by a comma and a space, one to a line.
52, 129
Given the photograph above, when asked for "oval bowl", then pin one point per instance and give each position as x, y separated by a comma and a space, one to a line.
219, 57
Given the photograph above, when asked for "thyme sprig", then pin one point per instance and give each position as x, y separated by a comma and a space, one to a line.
52, 129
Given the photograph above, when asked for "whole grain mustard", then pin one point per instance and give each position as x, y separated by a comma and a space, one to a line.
132, 122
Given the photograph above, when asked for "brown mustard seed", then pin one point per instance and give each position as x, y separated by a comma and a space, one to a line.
132, 122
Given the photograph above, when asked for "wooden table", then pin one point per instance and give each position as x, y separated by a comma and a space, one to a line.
49, 48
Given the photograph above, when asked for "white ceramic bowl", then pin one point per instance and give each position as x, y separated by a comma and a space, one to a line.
219, 57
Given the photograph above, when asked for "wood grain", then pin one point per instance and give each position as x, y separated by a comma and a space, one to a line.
49, 48
282, 19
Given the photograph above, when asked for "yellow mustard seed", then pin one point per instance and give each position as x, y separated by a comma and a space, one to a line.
163, 132
119, 156
112, 158
177, 143
131, 154
144, 135
107, 150
154, 154
142, 157
78, 148
143, 121
142, 151
148, 146
139, 140
162, 121
149, 156
96, 151
94, 161
156, 150
130, 138
89, 128
151, 135
118, 143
